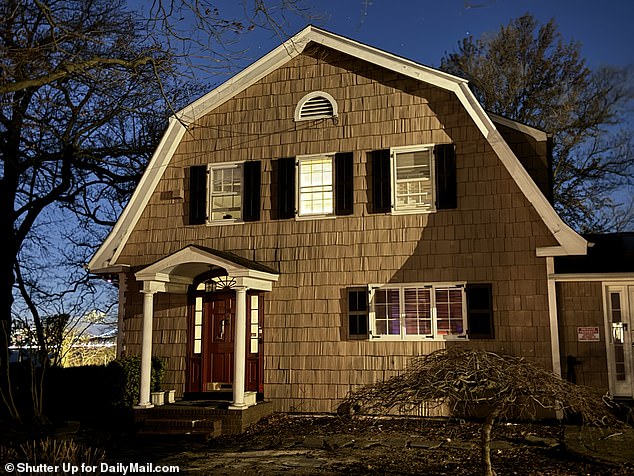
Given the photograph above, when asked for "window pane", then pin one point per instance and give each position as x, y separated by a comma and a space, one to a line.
358, 300
315, 186
413, 180
226, 193
449, 311
417, 311
387, 313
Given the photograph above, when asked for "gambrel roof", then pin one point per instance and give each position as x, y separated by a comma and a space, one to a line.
570, 243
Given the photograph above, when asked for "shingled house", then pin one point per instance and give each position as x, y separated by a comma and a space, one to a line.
333, 210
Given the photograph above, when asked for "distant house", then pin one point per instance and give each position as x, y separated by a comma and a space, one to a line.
332, 211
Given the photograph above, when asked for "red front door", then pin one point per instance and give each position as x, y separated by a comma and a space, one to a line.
211, 342
218, 365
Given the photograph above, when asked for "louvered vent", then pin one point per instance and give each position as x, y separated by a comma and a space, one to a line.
316, 105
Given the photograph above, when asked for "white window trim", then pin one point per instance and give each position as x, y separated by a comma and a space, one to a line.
434, 337
216, 166
308, 97
432, 178
299, 159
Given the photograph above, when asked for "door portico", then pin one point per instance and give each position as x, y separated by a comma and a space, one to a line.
175, 274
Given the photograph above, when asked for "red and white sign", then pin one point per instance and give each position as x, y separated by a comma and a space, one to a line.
588, 334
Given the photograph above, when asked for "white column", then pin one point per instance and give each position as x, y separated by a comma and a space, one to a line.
239, 350
552, 315
146, 350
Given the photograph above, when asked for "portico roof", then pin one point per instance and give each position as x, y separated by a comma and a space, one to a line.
178, 270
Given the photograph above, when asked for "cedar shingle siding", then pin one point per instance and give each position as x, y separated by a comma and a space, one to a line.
490, 237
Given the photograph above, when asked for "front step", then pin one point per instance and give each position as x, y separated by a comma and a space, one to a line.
195, 428
196, 417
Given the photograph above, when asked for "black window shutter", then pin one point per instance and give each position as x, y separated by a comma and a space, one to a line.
446, 192
381, 181
283, 188
251, 190
358, 313
197, 194
344, 187
480, 311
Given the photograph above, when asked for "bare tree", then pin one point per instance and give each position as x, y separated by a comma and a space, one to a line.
86, 87
501, 386
526, 72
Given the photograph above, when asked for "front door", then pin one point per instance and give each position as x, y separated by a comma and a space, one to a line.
211, 342
619, 320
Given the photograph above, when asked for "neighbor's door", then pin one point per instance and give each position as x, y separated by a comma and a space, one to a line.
619, 320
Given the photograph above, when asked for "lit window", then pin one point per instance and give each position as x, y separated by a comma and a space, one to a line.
415, 311
198, 325
225, 192
413, 178
254, 331
315, 185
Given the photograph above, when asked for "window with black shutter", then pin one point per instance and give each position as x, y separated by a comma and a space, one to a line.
480, 311
197, 194
251, 191
312, 186
344, 185
403, 180
358, 313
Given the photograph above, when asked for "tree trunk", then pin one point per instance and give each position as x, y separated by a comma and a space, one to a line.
485, 442
6, 303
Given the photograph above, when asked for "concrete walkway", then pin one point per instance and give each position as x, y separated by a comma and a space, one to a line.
612, 445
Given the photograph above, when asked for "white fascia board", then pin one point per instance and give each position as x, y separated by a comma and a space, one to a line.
571, 242
247, 77
107, 254
111, 248
602, 277
538, 135
385, 59
295, 46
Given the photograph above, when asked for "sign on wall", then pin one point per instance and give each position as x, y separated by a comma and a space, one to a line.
588, 334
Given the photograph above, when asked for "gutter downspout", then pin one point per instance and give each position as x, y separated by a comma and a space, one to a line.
552, 315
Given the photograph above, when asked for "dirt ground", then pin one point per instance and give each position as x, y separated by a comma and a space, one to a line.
318, 445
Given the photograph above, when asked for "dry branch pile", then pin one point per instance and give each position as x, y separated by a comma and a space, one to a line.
463, 378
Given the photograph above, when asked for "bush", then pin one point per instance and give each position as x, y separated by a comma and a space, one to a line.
125, 376
158, 372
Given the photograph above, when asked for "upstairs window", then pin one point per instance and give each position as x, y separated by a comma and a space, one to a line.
316, 105
418, 311
416, 179
315, 185
312, 186
225, 192
412, 176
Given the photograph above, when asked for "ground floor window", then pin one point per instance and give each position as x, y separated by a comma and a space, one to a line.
418, 311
